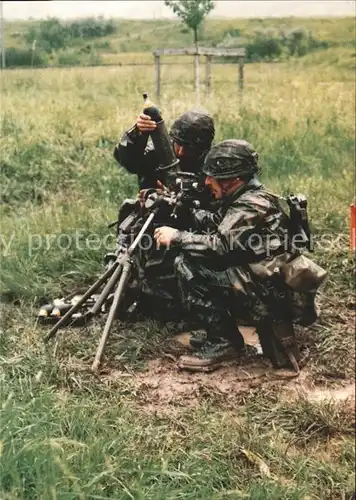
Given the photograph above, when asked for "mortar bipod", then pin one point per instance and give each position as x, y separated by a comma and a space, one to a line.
117, 274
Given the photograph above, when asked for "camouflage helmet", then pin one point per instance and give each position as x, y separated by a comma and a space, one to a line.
195, 129
231, 158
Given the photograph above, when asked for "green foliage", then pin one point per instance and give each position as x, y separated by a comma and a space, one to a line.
105, 45
91, 28
271, 44
342, 58
66, 58
52, 34
24, 57
86, 56
290, 37
266, 45
299, 42
191, 12
233, 32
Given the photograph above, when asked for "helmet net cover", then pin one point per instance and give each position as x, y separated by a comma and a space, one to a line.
195, 129
231, 158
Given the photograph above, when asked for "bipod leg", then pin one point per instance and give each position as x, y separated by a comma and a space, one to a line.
80, 302
107, 289
125, 276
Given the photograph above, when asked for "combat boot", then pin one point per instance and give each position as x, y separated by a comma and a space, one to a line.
198, 339
209, 356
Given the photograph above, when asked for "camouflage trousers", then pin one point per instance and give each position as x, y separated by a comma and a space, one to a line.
157, 286
210, 299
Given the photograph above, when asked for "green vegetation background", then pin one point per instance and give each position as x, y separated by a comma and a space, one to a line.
66, 435
100, 41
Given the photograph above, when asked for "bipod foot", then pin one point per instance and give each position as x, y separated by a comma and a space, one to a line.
95, 366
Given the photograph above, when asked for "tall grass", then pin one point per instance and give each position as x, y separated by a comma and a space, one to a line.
66, 435
60, 126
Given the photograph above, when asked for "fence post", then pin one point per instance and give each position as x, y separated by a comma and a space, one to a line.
207, 75
241, 75
2, 28
353, 227
197, 76
158, 76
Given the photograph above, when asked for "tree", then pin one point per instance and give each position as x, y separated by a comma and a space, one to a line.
50, 34
191, 12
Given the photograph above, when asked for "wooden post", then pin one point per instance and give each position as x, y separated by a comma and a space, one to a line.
353, 227
197, 76
207, 75
2, 28
197, 51
158, 77
241, 75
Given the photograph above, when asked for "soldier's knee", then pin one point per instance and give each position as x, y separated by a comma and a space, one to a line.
182, 268
178, 262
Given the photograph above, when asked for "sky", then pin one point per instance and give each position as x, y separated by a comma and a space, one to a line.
152, 9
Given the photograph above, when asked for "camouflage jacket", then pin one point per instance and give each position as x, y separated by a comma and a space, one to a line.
249, 227
133, 153
136, 157
248, 237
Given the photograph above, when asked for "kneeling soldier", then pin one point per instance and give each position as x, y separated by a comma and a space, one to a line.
232, 266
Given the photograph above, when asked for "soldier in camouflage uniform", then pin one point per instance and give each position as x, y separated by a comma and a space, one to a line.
191, 135
231, 266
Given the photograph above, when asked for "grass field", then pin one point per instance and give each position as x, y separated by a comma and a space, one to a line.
133, 432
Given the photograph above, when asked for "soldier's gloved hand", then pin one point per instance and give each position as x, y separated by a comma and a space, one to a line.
142, 194
165, 235
145, 124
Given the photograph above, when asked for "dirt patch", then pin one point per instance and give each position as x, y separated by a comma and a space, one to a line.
162, 384
304, 387
318, 394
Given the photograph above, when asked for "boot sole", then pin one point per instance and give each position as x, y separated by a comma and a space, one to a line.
196, 368
189, 363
